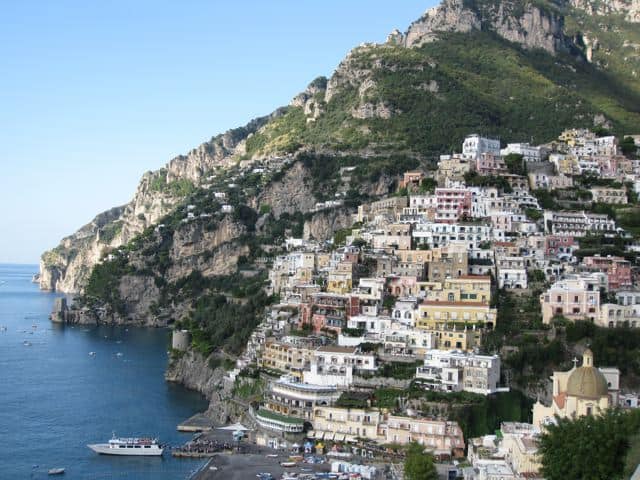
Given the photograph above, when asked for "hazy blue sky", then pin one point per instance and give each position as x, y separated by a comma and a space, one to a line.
93, 94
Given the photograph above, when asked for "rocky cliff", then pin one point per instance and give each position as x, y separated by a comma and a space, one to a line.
524, 23
385, 109
193, 371
629, 9
67, 267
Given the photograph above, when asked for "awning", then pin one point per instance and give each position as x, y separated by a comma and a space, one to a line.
339, 437
350, 438
311, 434
235, 427
329, 435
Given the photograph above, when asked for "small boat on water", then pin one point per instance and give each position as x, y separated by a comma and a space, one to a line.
129, 446
92, 354
56, 471
26, 344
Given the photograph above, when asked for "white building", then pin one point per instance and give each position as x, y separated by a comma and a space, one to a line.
528, 152
332, 365
511, 272
577, 224
455, 371
435, 235
474, 146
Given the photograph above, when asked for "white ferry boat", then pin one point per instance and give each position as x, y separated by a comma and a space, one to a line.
129, 446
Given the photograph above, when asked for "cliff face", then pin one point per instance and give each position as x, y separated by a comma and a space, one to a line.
67, 267
288, 195
322, 226
192, 370
630, 9
413, 97
520, 22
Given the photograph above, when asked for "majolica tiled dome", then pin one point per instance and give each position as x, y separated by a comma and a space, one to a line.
587, 381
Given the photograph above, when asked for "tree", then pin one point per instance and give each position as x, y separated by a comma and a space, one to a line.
628, 146
588, 448
419, 465
515, 164
428, 185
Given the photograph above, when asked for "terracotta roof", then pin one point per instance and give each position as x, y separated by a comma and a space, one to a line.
560, 399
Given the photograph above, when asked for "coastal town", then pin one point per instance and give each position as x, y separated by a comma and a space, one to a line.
378, 334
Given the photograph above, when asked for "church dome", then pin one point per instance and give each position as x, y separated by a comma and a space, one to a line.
587, 381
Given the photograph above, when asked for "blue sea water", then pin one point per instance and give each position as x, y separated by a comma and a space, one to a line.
55, 398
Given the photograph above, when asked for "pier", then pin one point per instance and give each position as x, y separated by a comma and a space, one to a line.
197, 423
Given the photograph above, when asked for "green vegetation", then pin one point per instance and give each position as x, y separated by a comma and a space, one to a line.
419, 465
280, 135
614, 35
219, 322
533, 214
599, 244
516, 164
628, 146
483, 84
398, 370
352, 399
177, 188
590, 447
632, 459
475, 180
110, 231
340, 236
618, 346
546, 199
248, 388
428, 185
104, 282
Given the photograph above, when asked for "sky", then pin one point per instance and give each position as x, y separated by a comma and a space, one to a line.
93, 94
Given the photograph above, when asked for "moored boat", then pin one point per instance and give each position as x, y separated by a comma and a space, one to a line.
129, 446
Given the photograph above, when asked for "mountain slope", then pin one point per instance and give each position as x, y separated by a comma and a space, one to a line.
515, 69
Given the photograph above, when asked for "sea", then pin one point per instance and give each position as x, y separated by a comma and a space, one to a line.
55, 398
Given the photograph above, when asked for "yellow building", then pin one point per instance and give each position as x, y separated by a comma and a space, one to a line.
467, 288
414, 256
452, 167
458, 337
340, 424
322, 260
578, 392
340, 279
432, 313
616, 196
285, 357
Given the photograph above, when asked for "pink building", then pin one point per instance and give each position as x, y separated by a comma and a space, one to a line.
490, 164
559, 247
443, 438
329, 311
402, 286
618, 269
453, 204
